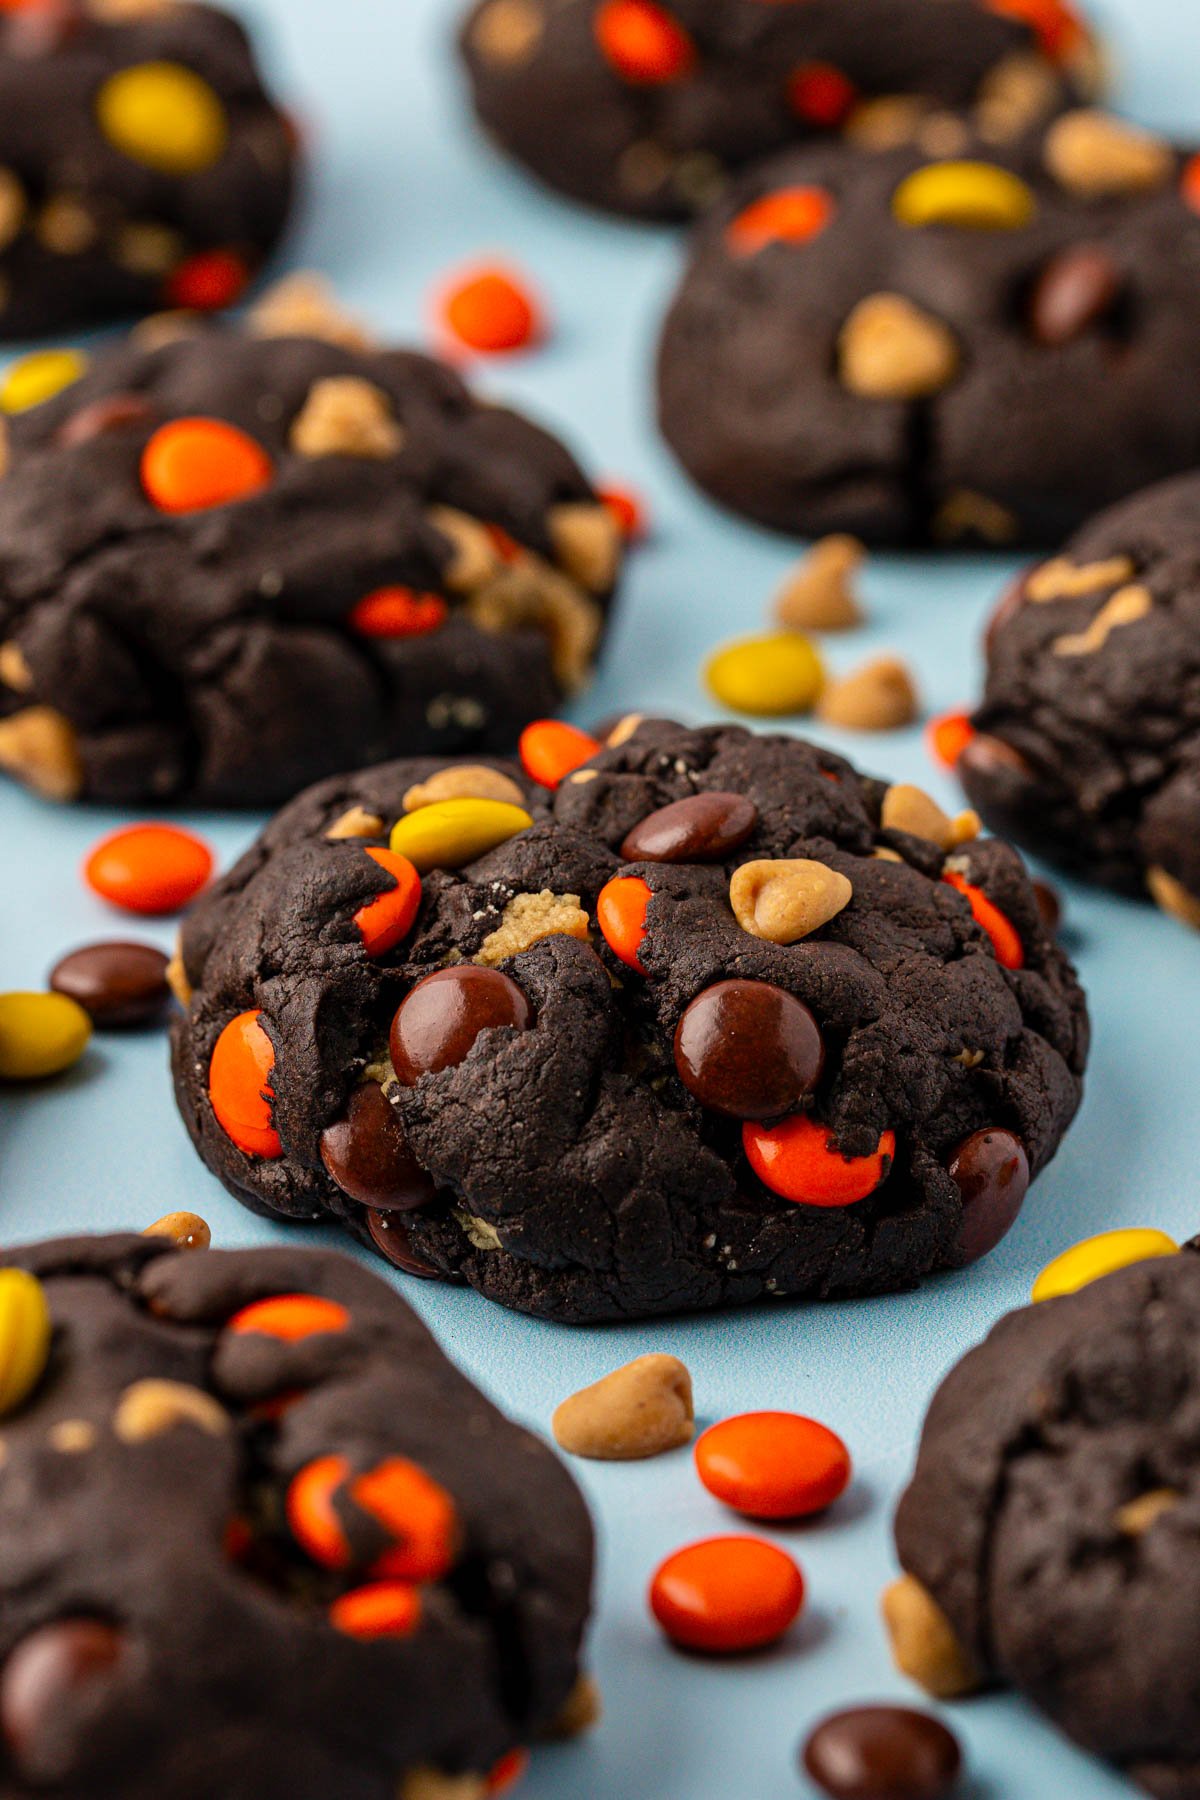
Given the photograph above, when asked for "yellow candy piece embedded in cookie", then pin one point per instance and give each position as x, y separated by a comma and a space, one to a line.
24, 1336
40, 1035
976, 196
453, 832
163, 116
768, 677
1087, 1262
39, 377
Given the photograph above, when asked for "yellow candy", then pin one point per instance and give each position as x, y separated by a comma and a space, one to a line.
39, 377
163, 116
453, 832
977, 196
770, 676
1098, 1256
40, 1034
24, 1336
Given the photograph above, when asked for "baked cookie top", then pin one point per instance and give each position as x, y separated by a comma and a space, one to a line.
142, 162
210, 544
1088, 745
649, 108
262, 1539
717, 1020
954, 343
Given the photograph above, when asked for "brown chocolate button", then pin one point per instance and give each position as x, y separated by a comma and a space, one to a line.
390, 1237
1075, 290
702, 828
748, 1049
118, 412
1049, 905
437, 1025
991, 1171
883, 1753
118, 984
53, 1672
368, 1156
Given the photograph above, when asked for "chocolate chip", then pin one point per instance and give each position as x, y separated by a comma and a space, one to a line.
367, 1155
118, 984
119, 412
702, 828
748, 1049
1049, 905
390, 1237
991, 1171
1076, 289
53, 1674
883, 1753
437, 1025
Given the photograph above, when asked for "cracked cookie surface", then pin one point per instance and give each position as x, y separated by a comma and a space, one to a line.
890, 344
261, 1539
865, 1106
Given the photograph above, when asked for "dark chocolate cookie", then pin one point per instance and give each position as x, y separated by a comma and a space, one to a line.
718, 1020
954, 344
1048, 1536
648, 108
260, 1539
1088, 736
231, 564
142, 163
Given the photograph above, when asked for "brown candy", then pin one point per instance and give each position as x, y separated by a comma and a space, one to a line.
702, 828
54, 1672
1075, 290
390, 1237
748, 1049
437, 1025
118, 984
1049, 905
117, 412
883, 1753
366, 1154
991, 1171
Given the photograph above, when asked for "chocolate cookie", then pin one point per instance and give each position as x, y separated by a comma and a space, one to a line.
1048, 1535
1088, 737
959, 343
647, 109
231, 563
260, 1539
717, 1020
142, 162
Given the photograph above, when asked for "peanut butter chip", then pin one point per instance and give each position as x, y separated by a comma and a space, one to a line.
924, 1646
508, 32
357, 822
119, 12
786, 900
187, 1229
346, 416
819, 593
640, 1410
966, 514
474, 558
527, 919
65, 227
1094, 154
1061, 579
887, 122
879, 696
177, 979
1173, 897
890, 349
1016, 94
12, 207
469, 781
587, 542
582, 1709
149, 1408
304, 305
910, 809
970, 1059
1136, 1517
14, 670
532, 594
72, 1437
148, 249
1125, 608
622, 731
39, 747
431, 1784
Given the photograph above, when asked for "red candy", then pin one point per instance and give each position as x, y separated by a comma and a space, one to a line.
800, 1161
149, 869
239, 1086
505, 1774
550, 749
208, 281
621, 916
727, 1594
628, 509
821, 94
1191, 183
397, 612
386, 920
1006, 942
643, 42
773, 1465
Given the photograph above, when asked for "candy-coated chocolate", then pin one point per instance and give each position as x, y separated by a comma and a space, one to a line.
40, 1035
621, 915
748, 1049
191, 465
149, 869
883, 1753
767, 677
973, 196
492, 311
239, 1086
366, 1154
948, 736
1006, 941
25, 1327
118, 412
381, 1609
550, 749
991, 1171
451, 833
1098, 1256
773, 1465
397, 612
436, 1026
387, 1232
643, 42
117, 984
38, 377
164, 116
387, 920
1074, 292
208, 281
703, 828
52, 1676
290, 1318
800, 1161
726, 1595
788, 216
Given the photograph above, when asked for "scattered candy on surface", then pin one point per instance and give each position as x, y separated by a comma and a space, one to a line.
239, 1086
119, 985
492, 311
883, 1753
640, 1410
727, 1595
800, 1161
766, 677
191, 465
438, 1023
948, 736
25, 1329
879, 696
819, 592
1098, 1256
451, 833
149, 869
40, 1035
550, 750
164, 116
621, 916
773, 1465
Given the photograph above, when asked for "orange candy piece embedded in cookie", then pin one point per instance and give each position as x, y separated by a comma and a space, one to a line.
550, 749
417, 1512
207, 282
492, 312
821, 94
149, 869
800, 1161
310, 1511
1190, 185
621, 916
387, 919
193, 464
382, 1609
643, 42
290, 1318
239, 1086
948, 736
789, 216
726, 1595
397, 612
1006, 942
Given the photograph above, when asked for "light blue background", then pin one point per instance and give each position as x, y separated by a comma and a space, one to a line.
402, 189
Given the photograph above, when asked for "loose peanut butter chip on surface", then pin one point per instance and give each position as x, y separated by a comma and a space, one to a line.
357, 822
187, 1229
1125, 608
149, 1408
911, 809
39, 747
347, 416
879, 696
470, 781
924, 1646
1061, 579
1094, 154
639, 1410
1173, 897
785, 900
1136, 1517
890, 349
819, 593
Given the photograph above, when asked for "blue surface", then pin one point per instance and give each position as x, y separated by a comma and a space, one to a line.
403, 189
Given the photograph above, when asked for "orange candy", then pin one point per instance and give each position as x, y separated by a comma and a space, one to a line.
192, 464
627, 508
290, 1317
397, 612
505, 1774
773, 1465
550, 749
643, 42
790, 216
948, 736
419, 1514
1010, 952
208, 281
310, 1512
621, 916
149, 869
1191, 183
384, 921
820, 93
727, 1594
239, 1086
492, 312
799, 1160
1057, 28
384, 1609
